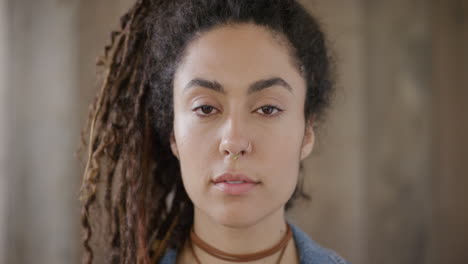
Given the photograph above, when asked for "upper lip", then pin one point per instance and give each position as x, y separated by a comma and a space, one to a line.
232, 177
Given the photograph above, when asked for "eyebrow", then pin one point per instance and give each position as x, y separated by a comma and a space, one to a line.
254, 87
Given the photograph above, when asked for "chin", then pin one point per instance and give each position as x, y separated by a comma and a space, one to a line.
236, 217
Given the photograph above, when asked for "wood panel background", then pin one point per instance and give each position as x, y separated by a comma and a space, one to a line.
449, 68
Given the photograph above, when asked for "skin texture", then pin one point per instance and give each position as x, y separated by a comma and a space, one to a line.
272, 141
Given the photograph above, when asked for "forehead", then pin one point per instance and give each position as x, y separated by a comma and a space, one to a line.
237, 55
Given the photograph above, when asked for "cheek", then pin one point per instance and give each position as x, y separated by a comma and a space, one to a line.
282, 154
193, 140
193, 148
284, 141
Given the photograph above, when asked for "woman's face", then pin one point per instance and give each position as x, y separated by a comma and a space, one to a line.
253, 104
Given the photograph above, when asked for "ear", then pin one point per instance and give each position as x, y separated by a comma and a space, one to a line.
174, 149
308, 139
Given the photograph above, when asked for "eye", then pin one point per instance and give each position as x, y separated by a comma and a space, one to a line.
268, 109
205, 109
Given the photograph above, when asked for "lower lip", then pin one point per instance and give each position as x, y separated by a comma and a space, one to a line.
235, 188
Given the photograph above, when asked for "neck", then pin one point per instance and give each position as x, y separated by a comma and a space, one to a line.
240, 238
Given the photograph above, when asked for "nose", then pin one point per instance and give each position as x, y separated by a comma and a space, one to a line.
234, 141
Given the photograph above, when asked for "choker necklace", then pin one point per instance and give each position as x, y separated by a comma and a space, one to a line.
194, 239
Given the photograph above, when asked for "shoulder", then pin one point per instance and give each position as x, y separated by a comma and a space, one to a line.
310, 252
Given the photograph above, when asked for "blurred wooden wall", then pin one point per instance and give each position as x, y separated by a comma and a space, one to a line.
40, 187
398, 131
3, 129
449, 183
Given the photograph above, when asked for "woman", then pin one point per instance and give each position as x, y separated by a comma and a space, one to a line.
197, 137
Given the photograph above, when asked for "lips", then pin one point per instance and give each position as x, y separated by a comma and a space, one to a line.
233, 178
237, 184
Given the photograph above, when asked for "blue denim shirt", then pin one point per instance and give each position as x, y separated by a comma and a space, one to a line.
309, 251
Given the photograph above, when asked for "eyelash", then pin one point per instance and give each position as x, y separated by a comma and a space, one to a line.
266, 115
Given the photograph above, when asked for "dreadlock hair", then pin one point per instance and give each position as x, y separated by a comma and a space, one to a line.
133, 199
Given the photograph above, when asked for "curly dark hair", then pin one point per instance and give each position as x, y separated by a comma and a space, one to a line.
132, 193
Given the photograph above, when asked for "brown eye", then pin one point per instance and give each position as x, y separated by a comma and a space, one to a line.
205, 109
269, 109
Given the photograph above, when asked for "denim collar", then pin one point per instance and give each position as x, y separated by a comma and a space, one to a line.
310, 252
